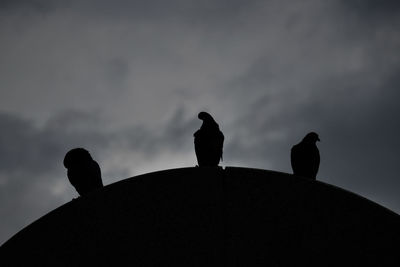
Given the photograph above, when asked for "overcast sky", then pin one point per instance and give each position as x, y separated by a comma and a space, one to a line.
126, 80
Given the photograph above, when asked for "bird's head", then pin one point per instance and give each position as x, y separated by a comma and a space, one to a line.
207, 119
76, 157
204, 116
311, 137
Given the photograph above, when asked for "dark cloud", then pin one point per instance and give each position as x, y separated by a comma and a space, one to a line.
373, 9
36, 5
22, 143
35, 150
28, 148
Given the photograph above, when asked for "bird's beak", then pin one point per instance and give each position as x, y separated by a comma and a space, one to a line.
318, 139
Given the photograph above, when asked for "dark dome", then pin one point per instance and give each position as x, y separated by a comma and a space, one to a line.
211, 217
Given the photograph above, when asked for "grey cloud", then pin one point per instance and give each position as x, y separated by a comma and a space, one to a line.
198, 12
174, 136
38, 149
192, 11
26, 147
21, 143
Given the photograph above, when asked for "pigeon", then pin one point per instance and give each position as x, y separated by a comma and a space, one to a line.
208, 142
83, 172
305, 157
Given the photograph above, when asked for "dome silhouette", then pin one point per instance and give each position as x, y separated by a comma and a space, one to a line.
211, 217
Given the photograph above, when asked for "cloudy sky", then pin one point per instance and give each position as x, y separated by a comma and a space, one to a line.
126, 79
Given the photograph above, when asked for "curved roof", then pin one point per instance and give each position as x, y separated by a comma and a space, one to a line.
211, 217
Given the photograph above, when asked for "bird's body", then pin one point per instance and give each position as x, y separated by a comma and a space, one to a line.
83, 172
305, 157
208, 142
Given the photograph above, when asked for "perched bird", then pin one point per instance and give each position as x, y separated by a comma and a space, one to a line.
305, 156
83, 172
208, 141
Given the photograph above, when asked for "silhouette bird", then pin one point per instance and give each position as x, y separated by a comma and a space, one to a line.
208, 141
305, 156
83, 172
